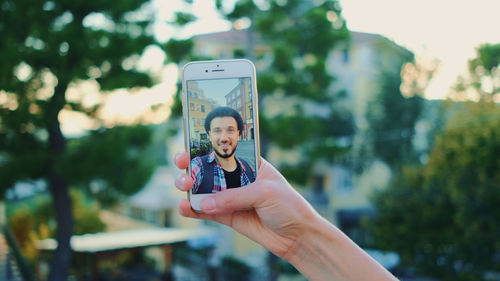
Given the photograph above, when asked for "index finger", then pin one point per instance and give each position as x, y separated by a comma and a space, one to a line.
181, 160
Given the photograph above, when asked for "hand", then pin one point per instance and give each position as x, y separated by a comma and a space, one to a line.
268, 211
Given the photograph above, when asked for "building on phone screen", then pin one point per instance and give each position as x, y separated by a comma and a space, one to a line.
199, 107
240, 99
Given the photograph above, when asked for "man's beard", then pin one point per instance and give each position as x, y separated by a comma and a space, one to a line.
225, 155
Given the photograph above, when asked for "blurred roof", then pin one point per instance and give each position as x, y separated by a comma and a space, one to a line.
237, 36
376, 39
159, 193
134, 238
240, 37
115, 221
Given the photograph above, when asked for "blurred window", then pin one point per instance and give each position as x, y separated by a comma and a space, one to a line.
365, 56
345, 181
345, 56
319, 183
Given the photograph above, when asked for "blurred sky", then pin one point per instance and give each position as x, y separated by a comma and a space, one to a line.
448, 30
217, 89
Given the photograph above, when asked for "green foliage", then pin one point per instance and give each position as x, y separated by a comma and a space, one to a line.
41, 212
176, 109
184, 18
119, 158
448, 209
46, 46
203, 149
233, 268
57, 37
178, 50
283, 266
86, 214
293, 130
22, 224
34, 220
392, 118
22, 143
61, 40
484, 74
239, 53
299, 173
125, 79
488, 56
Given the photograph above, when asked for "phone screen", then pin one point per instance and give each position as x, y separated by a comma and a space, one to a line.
221, 133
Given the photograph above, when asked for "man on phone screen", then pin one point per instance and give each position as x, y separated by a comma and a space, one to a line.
221, 169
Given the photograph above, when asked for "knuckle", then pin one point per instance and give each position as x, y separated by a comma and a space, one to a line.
224, 202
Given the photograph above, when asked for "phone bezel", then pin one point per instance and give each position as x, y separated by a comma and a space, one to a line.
218, 69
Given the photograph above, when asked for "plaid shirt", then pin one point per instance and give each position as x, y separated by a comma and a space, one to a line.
219, 178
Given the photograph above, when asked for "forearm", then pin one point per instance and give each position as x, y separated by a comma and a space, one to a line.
325, 253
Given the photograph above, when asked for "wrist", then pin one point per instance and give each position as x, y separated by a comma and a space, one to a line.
310, 256
326, 253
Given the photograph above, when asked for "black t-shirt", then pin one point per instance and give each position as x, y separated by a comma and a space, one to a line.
233, 179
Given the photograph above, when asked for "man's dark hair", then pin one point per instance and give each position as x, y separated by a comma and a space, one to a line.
224, 111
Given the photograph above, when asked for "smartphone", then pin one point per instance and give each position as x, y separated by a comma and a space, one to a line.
221, 128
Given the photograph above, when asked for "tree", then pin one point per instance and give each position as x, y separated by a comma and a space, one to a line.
483, 79
299, 35
111, 163
392, 117
448, 209
46, 47
396, 108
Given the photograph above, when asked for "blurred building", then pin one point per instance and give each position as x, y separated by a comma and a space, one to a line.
240, 99
199, 106
337, 191
358, 66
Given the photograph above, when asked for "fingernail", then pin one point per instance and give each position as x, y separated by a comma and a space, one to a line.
176, 157
208, 204
181, 182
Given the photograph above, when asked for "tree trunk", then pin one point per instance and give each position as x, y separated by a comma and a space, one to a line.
61, 260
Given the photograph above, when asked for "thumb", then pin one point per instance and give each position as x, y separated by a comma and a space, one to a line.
230, 200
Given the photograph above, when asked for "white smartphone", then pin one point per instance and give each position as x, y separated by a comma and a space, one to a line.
221, 128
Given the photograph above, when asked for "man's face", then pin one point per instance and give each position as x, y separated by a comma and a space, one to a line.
224, 135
